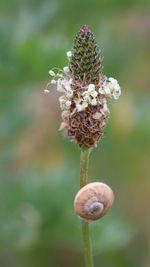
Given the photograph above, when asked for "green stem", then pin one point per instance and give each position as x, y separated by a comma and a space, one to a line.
85, 226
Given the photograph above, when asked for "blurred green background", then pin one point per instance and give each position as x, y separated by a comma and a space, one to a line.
39, 168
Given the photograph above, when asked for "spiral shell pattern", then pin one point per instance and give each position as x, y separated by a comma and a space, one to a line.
93, 201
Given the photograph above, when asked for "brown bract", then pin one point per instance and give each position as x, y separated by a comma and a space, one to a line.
83, 128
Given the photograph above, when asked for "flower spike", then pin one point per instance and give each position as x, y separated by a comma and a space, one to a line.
85, 91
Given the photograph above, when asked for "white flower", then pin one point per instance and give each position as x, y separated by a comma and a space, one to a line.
105, 109
93, 93
104, 100
59, 75
85, 93
53, 82
64, 85
91, 88
114, 88
46, 91
66, 69
116, 93
67, 86
60, 87
113, 83
101, 90
79, 107
117, 87
112, 80
69, 93
107, 90
93, 102
62, 101
84, 105
52, 73
69, 54
68, 103
87, 98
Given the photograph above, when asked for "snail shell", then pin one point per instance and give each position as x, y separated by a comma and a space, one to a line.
93, 201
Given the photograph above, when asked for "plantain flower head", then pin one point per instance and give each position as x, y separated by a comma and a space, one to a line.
85, 91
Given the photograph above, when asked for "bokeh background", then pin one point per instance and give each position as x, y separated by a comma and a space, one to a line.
39, 167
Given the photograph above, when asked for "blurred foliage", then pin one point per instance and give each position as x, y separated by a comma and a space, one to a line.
39, 168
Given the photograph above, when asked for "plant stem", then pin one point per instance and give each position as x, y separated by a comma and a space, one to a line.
85, 226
